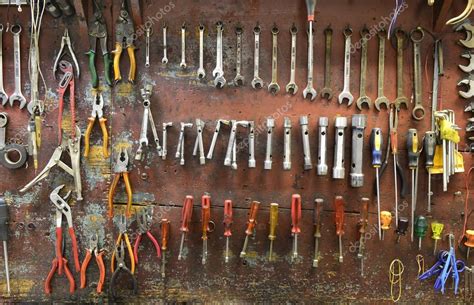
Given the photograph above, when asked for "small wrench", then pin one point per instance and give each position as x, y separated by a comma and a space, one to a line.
363, 98
326, 92
273, 87
17, 95
201, 72
309, 90
3, 94
148, 32
401, 99
164, 146
239, 78
346, 94
180, 150
416, 37
164, 60
183, 46
291, 87
218, 73
257, 82
381, 98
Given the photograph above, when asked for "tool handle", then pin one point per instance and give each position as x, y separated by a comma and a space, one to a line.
165, 231
364, 214
339, 215
394, 141
135, 247
47, 282
310, 6
99, 258
420, 226
92, 69
155, 244
252, 218
128, 188
385, 219
75, 250
107, 66
130, 253
295, 213
117, 53
84, 265
273, 220
412, 148
69, 276
205, 215
105, 137
59, 249
227, 218
133, 63
429, 144
318, 207
376, 142
4, 217
87, 136
186, 213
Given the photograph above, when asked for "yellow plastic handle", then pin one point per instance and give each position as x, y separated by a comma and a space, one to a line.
273, 220
117, 52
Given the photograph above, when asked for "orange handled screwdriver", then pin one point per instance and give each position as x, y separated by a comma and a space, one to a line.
165, 231
295, 222
251, 222
186, 214
205, 219
363, 221
227, 224
317, 229
339, 220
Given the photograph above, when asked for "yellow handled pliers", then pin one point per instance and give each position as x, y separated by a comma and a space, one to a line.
121, 170
123, 236
124, 39
97, 113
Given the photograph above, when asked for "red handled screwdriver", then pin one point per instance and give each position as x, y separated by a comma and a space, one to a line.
186, 214
295, 222
205, 221
227, 224
251, 222
339, 220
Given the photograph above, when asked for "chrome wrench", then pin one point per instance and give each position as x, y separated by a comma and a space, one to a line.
239, 78
273, 87
3, 94
218, 73
257, 82
346, 95
198, 144
180, 149
291, 87
326, 92
17, 95
268, 154
214, 137
381, 98
322, 167
416, 37
183, 46
306, 148
363, 98
400, 36
201, 73
164, 147
164, 60
148, 32
309, 90
287, 144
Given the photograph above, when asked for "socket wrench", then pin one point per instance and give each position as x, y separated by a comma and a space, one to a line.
359, 122
306, 148
322, 167
338, 169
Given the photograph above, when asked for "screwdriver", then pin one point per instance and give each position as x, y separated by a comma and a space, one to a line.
376, 142
273, 225
165, 229
420, 229
186, 214
251, 222
363, 221
318, 206
437, 230
4, 218
469, 243
385, 219
413, 157
227, 224
429, 144
295, 222
205, 220
401, 228
339, 220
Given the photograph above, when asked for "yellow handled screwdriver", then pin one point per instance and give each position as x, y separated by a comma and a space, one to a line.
273, 225
437, 230
385, 219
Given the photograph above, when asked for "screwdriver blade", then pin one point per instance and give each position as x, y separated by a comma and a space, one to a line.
181, 246
226, 249
244, 248
316, 253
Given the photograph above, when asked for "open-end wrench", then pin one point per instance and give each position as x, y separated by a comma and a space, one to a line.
183, 46
273, 87
346, 95
291, 87
401, 40
164, 60
416, 37
363, 98
381, 98
3, 94
17, 95
164, 146
201, 73
257, 82
309, 91
470, 67
218, 72
239, 78
326, 92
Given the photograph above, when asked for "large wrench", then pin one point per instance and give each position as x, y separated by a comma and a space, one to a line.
3, 94
218, 73
164, 60
326, 92
239, 78
381, 98
17, 95
363, 98
416, 37
401, 99
183, 46
309, 90
257, 82
291, 87
346, 95
273, 87
201, 72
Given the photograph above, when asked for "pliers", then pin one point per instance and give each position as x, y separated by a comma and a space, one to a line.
120, 254
54, 268
123, 236
144, 225
66, 82
98, 31
65, 40
124, 39
121, 170
97, 113
63, 209
99, 253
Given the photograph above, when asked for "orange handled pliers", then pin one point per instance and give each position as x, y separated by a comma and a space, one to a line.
144, 226
54, 268
97, 113
121, 170
124, 39
123, 235
93, 250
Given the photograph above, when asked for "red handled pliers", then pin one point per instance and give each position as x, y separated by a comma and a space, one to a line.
99, 253
144, 225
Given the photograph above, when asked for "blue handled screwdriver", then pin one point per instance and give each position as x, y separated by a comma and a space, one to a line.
376, 148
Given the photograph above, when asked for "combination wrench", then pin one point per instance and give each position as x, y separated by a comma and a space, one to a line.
239, 78
17, 95
257, 82
3, 94
273, 87
218, 72
363, 98
381, 98
416, 37
291, 87
346, 95
309, 90
164, 60
183, 46
401, 40
201, 73
148, 33
326, 92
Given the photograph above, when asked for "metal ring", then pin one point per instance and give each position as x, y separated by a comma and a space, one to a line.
9, 163
14, 28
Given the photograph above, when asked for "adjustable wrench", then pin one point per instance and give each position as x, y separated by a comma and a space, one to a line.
338, 169
359, 122
273, 87
257, 82
363, 98
322, 167
198, 144
3, 94
201, 73
164, 147
287, 144
291, 87
214, 137
381, 98
183, 46
326, 92
268, 155
401, 99
416, 37
180, 149
309, 90
164, 60
306, 148
17, 95
346, 95
239, 78
218, 73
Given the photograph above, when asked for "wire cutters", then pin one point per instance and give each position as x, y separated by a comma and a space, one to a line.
123, 236
144, 226
97, 113
66, 82
99, 253
66, 40
98, 31
54, 268
124, 39
119, 253
63, 209
121, 170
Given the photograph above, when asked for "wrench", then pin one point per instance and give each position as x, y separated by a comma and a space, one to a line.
3, 94
326, 92
401, 99
346, 95
268, 154
416, 37
291, 87
164, 147
309, 90
363, 98
273, 87
381, 98
218, 73
287, 144
257, 82
239, 78
198, 144
214, 137
470, 67
322, 168
180, 150
148, 32
183, 46
306, 148
164, 60
201, 72
17, 95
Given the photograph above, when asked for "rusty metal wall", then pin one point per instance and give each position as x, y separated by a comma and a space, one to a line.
178, 96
